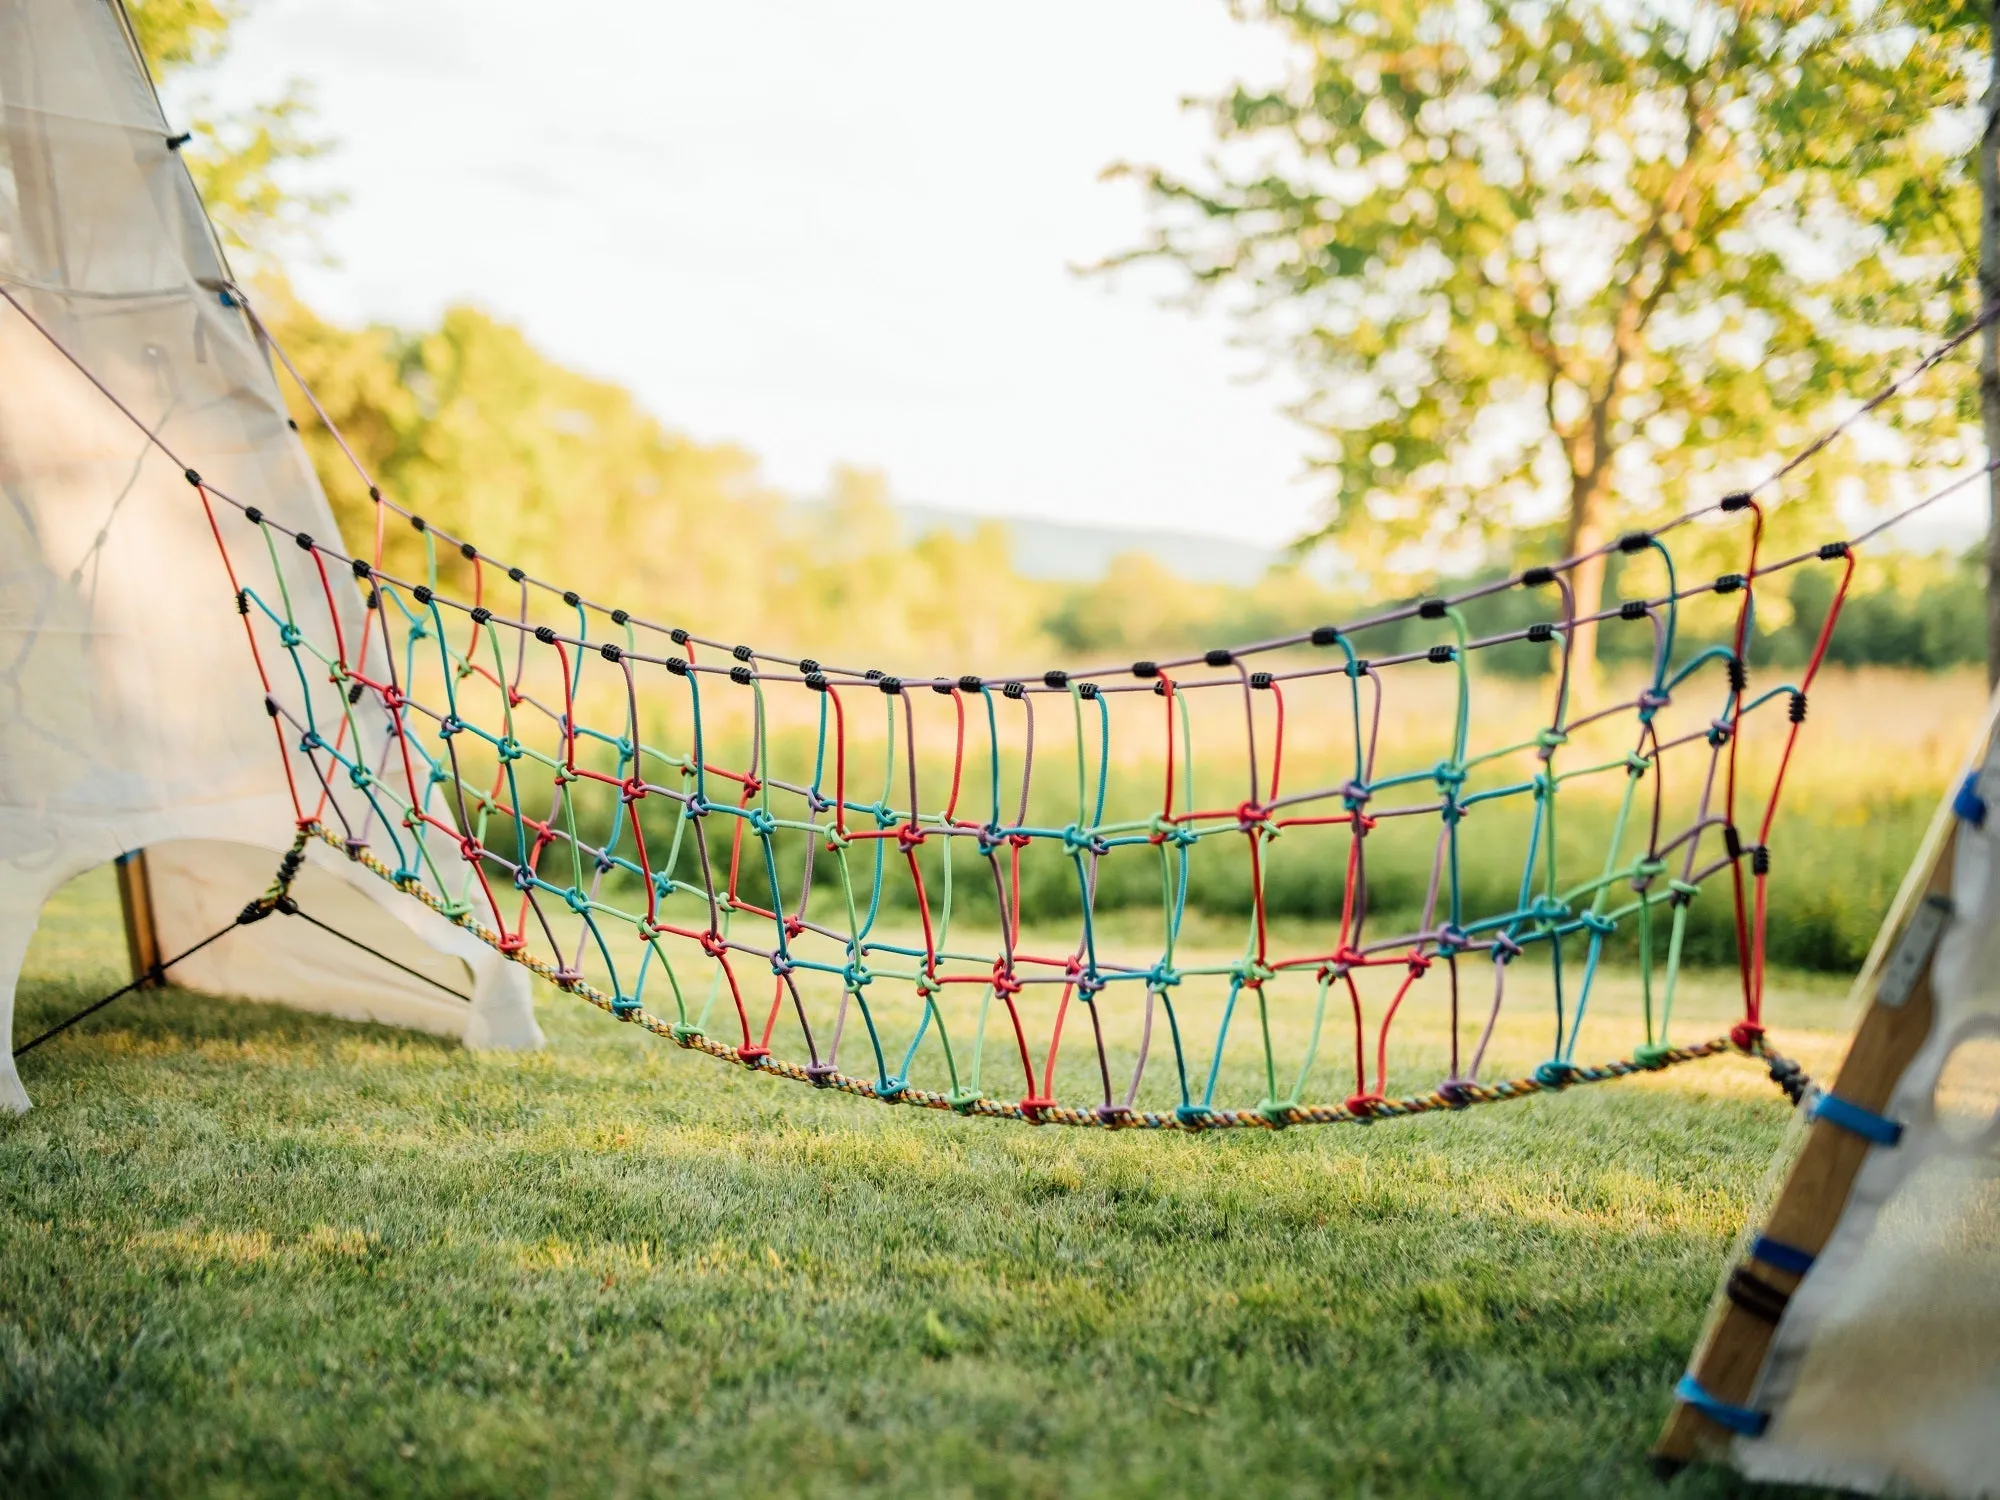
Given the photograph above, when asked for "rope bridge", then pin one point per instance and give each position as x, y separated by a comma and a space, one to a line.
706, 839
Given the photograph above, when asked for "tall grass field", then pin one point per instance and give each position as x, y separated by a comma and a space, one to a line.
246, 1251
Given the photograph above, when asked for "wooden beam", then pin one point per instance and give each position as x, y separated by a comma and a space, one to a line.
1898, 1020
142, 934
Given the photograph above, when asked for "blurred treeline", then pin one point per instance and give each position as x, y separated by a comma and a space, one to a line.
472, 427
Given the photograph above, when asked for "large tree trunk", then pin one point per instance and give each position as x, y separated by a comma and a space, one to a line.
1989, 344
1585, 534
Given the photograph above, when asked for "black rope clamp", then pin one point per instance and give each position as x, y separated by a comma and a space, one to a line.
1323, 635
1755, 1295
1536, 578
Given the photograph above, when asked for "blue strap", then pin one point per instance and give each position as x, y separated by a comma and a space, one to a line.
1853, 1118
1740, 1419
1781, 1257
1968, 804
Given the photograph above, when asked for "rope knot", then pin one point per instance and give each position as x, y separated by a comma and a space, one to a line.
1747, 1036
761, 822
1004, 982
1601, 926
1355, 794
1505, 949
713, 943
1251, 973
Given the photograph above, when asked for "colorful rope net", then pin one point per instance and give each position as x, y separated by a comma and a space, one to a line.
753, 853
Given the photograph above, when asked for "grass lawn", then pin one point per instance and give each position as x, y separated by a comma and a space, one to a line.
246, 1251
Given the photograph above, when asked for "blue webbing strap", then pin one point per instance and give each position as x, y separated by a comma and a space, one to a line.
1856, 1120
1779, 1256
1738, 1419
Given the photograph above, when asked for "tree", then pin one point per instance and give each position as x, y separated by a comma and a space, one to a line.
241, 161
1560, 261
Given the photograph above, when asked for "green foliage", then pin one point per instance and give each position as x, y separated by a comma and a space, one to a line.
243, 162
176, 34
1602, 253
472, 428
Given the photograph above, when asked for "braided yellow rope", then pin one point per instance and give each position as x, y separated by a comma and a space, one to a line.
1459, 1097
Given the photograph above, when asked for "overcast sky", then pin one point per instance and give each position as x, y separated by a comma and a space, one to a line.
831, 232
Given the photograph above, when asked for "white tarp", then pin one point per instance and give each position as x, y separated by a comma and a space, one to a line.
130, 711
1884, 1373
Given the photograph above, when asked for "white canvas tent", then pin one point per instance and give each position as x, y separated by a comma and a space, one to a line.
130, 713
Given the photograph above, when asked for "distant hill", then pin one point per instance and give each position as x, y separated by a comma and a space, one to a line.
1060, 552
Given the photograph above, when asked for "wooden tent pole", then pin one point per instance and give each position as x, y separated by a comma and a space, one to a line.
142, 934
1898, 1020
